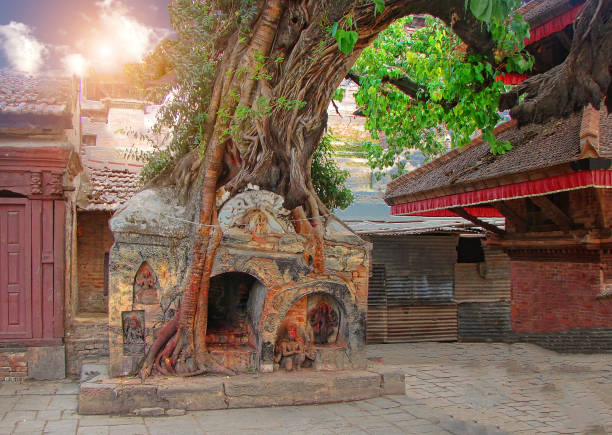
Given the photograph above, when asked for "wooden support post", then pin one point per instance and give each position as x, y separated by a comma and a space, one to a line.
509, 213
461, 212
553, 212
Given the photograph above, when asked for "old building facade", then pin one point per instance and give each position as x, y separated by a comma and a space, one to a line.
39, 177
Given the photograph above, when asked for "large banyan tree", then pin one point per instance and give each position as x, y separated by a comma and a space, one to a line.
271, 71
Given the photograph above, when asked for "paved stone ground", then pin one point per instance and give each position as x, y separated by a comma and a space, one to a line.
451, 388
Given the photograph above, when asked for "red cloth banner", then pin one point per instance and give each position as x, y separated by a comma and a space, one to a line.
560, 183
511, 78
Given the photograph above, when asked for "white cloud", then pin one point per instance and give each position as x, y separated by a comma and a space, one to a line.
23, 51
121, 38
104, 3
76, 64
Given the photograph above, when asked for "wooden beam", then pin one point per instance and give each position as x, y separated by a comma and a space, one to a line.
603, 217
461, 212
553, 212
510, 214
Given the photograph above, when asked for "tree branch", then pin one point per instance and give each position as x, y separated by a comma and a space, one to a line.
410, 88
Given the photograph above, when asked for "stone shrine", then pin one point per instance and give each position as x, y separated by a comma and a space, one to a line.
268, 308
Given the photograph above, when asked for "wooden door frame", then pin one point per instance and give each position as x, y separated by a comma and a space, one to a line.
28, 266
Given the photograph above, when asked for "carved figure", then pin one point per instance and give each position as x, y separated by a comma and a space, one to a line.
323, 319
291, 351
258, 223
133, 332
145, 285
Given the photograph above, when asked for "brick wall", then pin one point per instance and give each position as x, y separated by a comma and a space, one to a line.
554, 296
13, 365
297, 313
94, 240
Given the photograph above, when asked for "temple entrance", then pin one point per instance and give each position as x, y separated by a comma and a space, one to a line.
234, 309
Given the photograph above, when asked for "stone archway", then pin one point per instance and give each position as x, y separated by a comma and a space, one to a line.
236, 302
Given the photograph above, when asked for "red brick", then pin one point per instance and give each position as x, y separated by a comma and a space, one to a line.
557, 296
94, 241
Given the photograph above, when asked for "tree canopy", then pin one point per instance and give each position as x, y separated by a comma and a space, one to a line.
416, 88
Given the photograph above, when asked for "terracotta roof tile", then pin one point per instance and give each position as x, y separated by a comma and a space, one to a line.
111, 187
534, 147
37, 95
537, 12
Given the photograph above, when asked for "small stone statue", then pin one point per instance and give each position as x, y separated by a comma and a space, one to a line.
323, 320
145, 285
291, 351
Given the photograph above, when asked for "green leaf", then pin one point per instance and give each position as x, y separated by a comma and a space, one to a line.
379, 6
481, 9
346, 40
334, 29
499, 11
338, 94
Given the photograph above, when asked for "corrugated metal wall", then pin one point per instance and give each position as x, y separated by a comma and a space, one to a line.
482, 291
418, 292
484, 321
418, 280
377, 306
422, 323
484, 282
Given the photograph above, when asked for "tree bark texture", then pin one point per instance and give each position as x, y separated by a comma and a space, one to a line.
584, 77
274, 151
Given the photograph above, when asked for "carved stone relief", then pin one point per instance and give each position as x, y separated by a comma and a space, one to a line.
324, 320
256, 211
133, 327
145, 285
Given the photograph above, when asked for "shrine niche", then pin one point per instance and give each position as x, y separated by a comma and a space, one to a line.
145, 285
133, 327
323, 320
312, 334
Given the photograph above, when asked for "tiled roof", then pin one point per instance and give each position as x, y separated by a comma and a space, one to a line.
534, 148
111, 187
537, 12
37, 95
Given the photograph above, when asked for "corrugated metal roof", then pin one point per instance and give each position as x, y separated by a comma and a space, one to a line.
369, 215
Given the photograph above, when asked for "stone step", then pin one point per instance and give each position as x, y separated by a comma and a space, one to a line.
171, 395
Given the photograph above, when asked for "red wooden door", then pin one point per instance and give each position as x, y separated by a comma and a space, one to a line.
15, 265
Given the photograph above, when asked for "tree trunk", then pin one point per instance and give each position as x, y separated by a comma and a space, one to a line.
274, 150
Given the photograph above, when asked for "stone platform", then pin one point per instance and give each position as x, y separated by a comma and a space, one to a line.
99, 394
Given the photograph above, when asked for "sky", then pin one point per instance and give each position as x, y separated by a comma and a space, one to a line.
72, 36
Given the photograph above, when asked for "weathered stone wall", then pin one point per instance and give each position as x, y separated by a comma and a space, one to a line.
86, 341
259, 239
94, 240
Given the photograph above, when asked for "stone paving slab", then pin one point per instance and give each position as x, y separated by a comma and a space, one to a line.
451, 388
